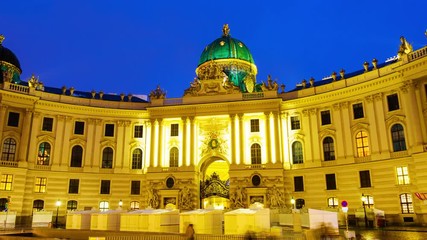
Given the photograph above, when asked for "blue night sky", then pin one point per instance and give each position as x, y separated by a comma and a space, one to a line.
133, 46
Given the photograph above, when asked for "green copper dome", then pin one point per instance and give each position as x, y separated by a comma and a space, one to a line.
226, 47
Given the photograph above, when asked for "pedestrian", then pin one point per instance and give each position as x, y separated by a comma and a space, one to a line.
189, 233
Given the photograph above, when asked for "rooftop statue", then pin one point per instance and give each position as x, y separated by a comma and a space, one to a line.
270, 85
404, 48
225, 30
157, 93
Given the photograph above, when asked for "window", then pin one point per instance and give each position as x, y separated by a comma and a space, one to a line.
76, 156
254, 125
138, 131
105, 186
38, 205
358, 111
406, 203
328, 149
295, 123
298, 184
109, 130
365, 179
255, 154
173, 157
402, 175
72, 205
6, 182
44, 154
13, 120
104, 206
297, 156
362, 146
398, 138
135, 187
137, 159
333, 202
107, 158
9, 150
330, 181
40, 185
4, 205
134, 205
174, 130
393, 102
325, 117
79, 128
368, 201
47, 124
73, 187
299, 203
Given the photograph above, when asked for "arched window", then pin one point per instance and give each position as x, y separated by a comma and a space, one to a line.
333, 202
297, 156
104, 206
328, 149
107, 158
44, 154
255, 154
362, 145
398, 138
72, 205
9, 150
76, 156
38, 205
137, 159
134, 205
406, 203
173, 157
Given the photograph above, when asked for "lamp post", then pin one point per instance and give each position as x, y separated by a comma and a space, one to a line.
120, 204
364, 198
58, 203
293, 203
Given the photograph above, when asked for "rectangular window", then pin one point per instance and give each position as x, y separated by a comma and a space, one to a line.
135, 188
138, 131
295, 123
402, 175
393, 102
174, 130
333, 202
365, 179
298, 184
406, 203
40, 185
13, 119
358, 111
74, 186
47, 124
105, 186
6, 182
109, 130
331, 184
254, 125
326, 117
79, 128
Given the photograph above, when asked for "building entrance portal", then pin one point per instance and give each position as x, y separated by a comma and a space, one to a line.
214, 186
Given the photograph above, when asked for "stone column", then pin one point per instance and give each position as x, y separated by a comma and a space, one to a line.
380, 120
277, 140
242, 146
373, 134
194, 134
160, 150
233, 138
154, 147
126, 147
33, 145
417, 87
25, 136
339, 137
3, 118
64, 160
57, 150
411, 111
284, 137
90, 144
96, 154
148, 148
313, 151
118, 158
347, 133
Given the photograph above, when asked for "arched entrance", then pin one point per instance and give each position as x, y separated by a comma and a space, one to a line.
214, 184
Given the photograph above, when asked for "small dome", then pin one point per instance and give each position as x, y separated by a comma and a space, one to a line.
8, 56
226, 47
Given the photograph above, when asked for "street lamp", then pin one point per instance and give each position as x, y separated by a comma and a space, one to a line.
364, 198
58, 203
293, 203
120, 204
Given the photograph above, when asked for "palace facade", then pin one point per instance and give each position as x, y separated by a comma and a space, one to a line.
229, 142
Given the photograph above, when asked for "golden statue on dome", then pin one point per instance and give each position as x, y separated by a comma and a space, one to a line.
225, 30
1, 38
